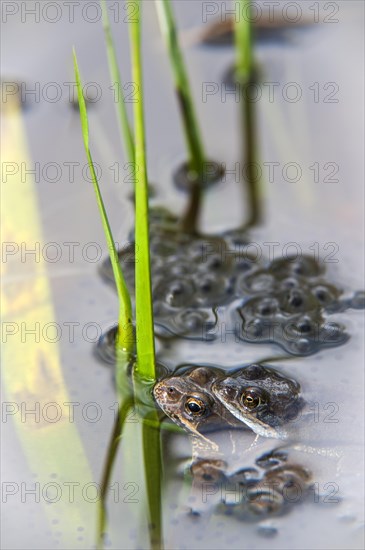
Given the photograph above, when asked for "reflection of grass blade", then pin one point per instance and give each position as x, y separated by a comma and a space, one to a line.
153, 471
114, 442
144, 312
125, 327
192, 135
124, 126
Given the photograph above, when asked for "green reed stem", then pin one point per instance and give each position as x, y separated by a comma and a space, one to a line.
243, 42
122, 116
197, 157
144, 313
244, 75
125, 327
250, 156
144, 310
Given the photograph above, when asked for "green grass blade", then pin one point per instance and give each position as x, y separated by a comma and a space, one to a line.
144, 310
144, 313
122, 116
191, 129
243, 42
125, 332
244, 75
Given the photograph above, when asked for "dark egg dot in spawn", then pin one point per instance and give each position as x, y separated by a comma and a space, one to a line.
243, 265
215, 263
206, 287
290, 282
267, 307
177, 290
304, 326
321, 295
295, 299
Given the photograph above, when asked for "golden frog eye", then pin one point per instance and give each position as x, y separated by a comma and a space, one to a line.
195, 406
252, 399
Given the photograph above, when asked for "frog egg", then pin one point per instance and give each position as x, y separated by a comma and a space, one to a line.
193, 323
127, 260
257, 330
304, 326
254, 329
160, 215
325, 294
304, 266
267, 307
290, 282
200, 250
212, 290
259, 281
176, 293
162, 247
243, 265
297, 300
179, 268
216, 263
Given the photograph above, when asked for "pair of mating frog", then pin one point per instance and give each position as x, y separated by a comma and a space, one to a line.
202, 399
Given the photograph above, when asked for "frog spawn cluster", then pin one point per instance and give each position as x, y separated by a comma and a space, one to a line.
286, 301
255, 494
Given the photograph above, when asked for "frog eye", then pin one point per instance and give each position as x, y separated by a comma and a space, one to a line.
195, 406
251, 399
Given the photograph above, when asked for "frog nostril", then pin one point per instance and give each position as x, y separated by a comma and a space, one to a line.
227, 391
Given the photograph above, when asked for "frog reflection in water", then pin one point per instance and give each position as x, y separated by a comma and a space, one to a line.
261, 398
205, 398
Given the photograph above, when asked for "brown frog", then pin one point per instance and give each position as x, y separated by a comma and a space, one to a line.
188, 400
261, 398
